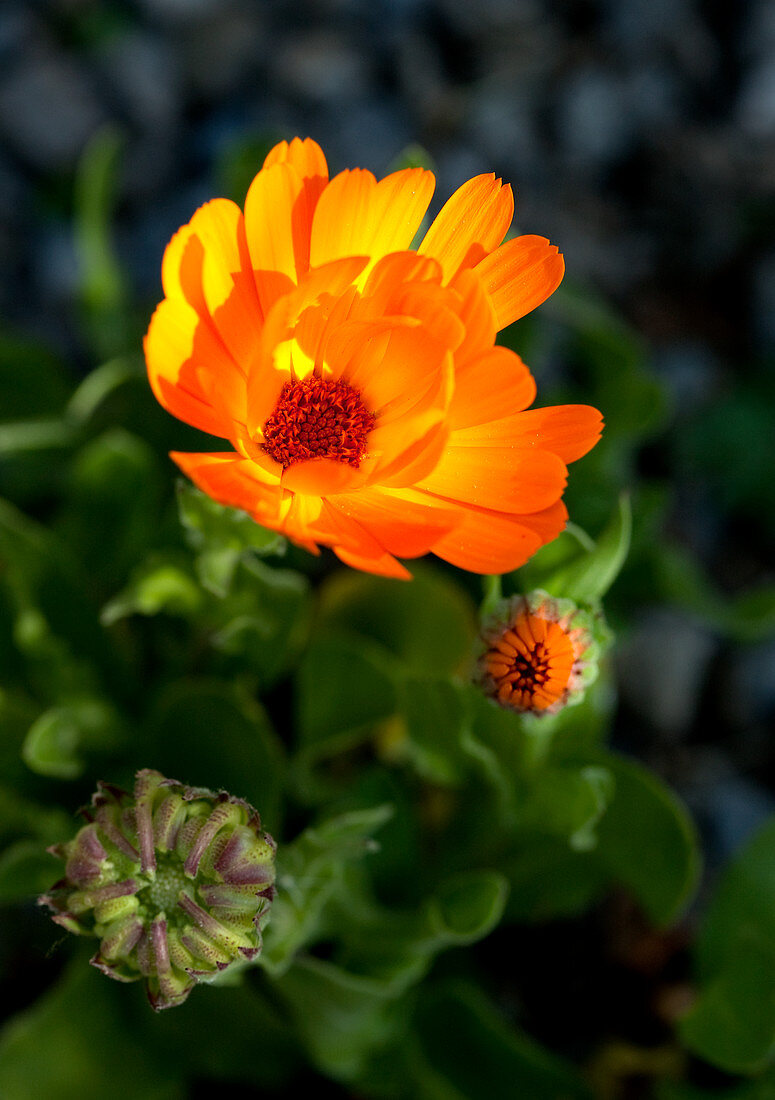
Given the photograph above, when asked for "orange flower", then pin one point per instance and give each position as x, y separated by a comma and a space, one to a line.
357, 382
539, 653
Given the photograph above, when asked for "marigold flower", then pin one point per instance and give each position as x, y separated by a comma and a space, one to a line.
176, 882
358, 383
539, 654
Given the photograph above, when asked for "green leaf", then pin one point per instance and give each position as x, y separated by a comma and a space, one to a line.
550, 881
428, 623
212, 735
762, 1089
81, 1026
21, 817
99, 385
466, 907
221, 536
616, 359
412, 156
310, 875
343, 692
569, 802
103, 291
33, 382
113, 503
352, 1016
732, 1023
26, 870
647, 841
747, 617
225, 1035
35, 435
588, 575
397, 946
159, 585
465, 1042
435, 716
263, 622
59, 740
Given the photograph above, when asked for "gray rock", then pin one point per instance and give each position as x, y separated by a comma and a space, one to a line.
661, 667
764, 302
653, 95
502, 16
594, 126
501, 122
143, 72
756, 104
690, 370
48, 109
224, 51
750, 694
370, 134
321, 67
758, 38
55, 265
180, 11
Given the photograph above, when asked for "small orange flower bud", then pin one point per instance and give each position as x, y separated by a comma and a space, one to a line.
538, 655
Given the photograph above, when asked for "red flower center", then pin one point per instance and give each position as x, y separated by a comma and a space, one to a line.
530, 672
317, 418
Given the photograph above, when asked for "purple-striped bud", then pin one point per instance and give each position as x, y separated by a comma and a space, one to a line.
176, 882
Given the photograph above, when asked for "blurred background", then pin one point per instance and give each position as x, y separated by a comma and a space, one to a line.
638, 135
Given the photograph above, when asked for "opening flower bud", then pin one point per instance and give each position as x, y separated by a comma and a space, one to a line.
539, 654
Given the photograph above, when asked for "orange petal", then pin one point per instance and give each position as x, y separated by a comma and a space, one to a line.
567, 430
547, 523
504, 479
323, 476
353, 544
488, 542
411, 364
490, 387
234, 481
477, 315
171, 265
520, 275
417, 461
391, 273
470, 225
306, 157
404, 525
357, 216
228, 287
274, 352
183, 358
383, 564
278, 218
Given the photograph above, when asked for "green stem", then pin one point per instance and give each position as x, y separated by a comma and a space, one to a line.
493, 593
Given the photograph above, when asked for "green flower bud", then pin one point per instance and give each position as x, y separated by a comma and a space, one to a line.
176, 882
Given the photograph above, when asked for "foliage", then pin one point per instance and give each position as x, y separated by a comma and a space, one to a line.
414, 818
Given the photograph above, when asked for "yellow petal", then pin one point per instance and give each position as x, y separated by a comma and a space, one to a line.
470, 225
356, 216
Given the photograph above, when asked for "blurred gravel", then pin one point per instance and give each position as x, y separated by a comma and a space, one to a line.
634, 132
